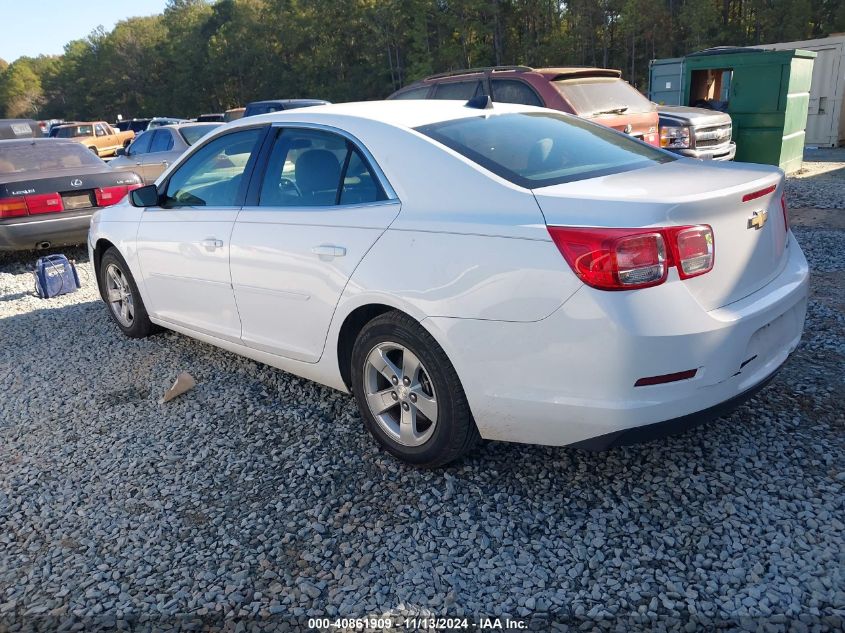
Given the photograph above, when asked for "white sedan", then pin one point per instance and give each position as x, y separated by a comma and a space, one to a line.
467, 270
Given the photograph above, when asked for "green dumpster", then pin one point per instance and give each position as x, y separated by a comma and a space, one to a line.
767, 94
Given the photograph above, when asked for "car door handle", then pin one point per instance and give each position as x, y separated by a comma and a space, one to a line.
212, 243
328, 251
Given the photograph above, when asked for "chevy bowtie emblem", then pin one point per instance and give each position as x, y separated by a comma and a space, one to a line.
757, 220
76, 182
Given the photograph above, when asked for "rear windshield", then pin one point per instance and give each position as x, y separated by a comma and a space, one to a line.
594, 96
75, 130
193, 133
19, 157
539, 149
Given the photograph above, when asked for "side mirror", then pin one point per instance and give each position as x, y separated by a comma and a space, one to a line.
122, 151
144, 197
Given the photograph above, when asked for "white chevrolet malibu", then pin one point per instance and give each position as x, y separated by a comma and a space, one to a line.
467, 270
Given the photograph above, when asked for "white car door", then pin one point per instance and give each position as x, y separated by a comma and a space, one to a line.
183, 245
321, 205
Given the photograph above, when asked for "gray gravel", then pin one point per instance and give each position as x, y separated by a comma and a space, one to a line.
258, 497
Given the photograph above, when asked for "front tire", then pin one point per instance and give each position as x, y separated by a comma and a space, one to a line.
409, 393
120, 293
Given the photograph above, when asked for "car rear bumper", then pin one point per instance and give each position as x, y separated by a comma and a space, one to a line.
571, 377
32, 232
710, 153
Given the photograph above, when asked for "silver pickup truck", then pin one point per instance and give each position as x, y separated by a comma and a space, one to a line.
696, 132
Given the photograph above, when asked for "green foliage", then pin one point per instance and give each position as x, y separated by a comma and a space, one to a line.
202, 56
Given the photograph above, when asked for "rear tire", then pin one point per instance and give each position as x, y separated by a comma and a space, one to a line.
121, 296
409, 393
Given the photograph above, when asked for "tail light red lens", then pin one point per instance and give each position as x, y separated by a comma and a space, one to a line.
785, 209
693, 250
12, 207
628, 259
107, 196
44, 203
31, 205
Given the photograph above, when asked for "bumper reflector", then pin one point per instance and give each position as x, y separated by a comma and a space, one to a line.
659, 380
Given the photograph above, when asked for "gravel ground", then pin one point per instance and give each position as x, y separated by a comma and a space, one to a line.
257, 499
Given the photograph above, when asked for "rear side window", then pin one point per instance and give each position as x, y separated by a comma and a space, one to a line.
414, 93
594, 96
312, 168
162, 141
193, 133
460, 90
514, 91
540, 149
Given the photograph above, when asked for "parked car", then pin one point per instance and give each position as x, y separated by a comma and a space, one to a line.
520, 274
696, 132
19, 128
152, 152
597, 94
54, 127
49, 189
136, 125
233, 114
161, 121
210, 118
278, 105
98, 136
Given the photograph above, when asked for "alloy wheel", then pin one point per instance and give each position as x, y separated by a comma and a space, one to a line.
400, 394
119, 296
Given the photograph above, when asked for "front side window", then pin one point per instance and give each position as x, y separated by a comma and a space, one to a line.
213, 175
514, 91
141, 144
459, 90
313, 168
162, 141
539, 149
101, 131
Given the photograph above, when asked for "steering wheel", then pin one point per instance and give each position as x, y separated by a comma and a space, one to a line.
288, 187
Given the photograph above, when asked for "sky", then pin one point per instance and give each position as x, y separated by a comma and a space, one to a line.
43, 27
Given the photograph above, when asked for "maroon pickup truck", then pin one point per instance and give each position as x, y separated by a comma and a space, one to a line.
598, 94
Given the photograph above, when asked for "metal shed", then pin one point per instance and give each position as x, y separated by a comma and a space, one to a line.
826, 114
666, 81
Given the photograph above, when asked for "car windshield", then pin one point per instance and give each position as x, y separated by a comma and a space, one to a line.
193, 133
19, 157
594, 96
539, 149
75, 130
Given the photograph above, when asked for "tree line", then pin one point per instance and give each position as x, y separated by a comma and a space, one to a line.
201, 56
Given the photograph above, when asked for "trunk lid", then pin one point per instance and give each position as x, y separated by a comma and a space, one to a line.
687, 192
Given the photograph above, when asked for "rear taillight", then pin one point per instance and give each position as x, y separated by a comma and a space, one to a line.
107, 196
692, 247
12, 207
785, 208
44, 203
628, 259
31, 205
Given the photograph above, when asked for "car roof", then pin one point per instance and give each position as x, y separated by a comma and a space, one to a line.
406, 113
550, 73
286, 101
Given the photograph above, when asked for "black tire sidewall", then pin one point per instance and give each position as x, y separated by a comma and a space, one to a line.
141, 325
453, 415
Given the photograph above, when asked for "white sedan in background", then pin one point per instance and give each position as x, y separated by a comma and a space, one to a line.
467, 270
